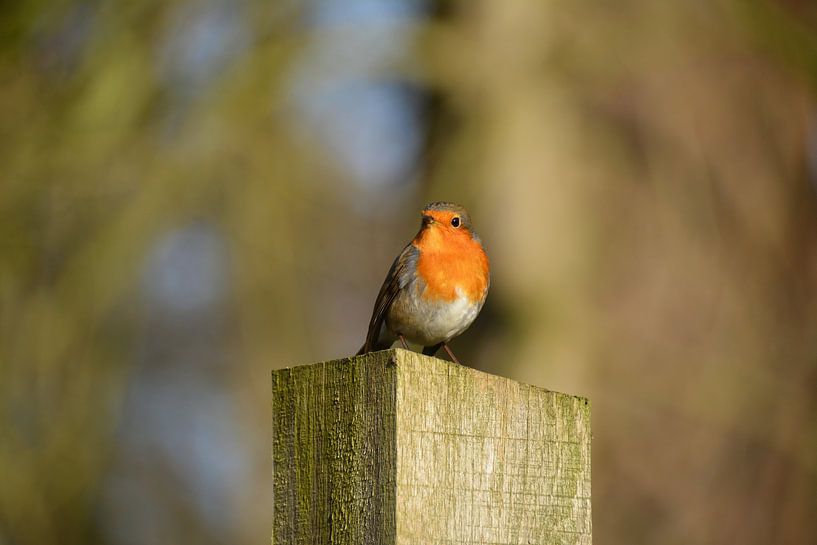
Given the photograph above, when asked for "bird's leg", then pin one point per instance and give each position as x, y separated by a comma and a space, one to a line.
451, 354
403, 341
431, 350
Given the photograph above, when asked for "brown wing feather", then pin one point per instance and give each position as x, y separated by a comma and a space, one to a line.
397, 278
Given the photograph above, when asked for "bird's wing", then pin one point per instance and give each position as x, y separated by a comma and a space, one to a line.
398, 277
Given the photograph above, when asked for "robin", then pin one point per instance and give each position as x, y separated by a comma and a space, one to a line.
436, 286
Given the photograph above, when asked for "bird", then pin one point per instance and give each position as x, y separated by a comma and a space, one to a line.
436, 286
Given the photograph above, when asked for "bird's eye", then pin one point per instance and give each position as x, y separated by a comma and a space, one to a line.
455, 221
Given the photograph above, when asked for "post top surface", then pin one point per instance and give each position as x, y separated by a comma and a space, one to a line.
415, 361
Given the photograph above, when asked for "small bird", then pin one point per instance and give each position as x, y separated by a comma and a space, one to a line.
435, 288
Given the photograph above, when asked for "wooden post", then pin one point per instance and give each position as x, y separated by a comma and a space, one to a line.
395, 447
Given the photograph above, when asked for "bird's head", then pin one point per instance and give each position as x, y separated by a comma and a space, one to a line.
446, 217
446, 225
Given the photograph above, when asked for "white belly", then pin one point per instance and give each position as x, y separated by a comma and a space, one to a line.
427, 323
451, 319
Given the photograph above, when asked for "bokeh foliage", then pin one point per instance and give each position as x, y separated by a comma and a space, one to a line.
644, 174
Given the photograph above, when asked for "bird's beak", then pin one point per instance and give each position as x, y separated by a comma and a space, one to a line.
427, 220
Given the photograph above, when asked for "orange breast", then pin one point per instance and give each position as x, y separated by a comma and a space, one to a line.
448, 261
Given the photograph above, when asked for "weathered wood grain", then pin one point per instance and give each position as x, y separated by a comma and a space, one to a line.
399, 448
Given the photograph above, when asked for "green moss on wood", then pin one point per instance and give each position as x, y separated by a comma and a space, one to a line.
396, 447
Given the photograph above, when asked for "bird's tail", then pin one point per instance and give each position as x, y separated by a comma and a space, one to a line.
381, 344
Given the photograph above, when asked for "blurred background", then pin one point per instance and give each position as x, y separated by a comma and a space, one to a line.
194, 192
